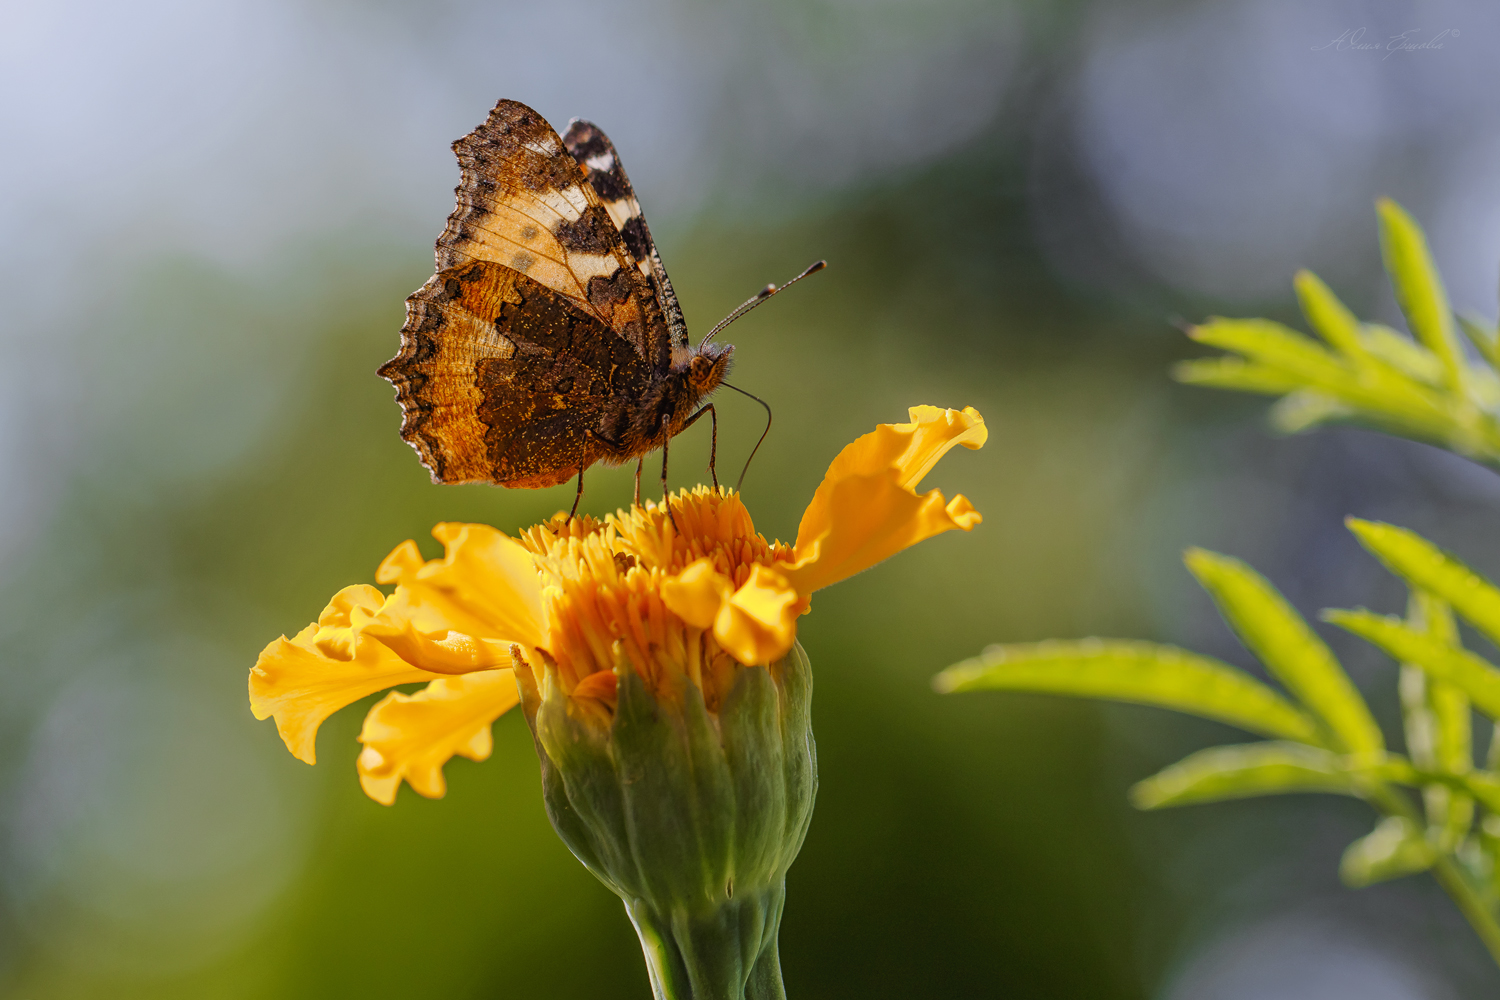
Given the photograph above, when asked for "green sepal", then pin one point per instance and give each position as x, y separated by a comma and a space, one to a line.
691, 817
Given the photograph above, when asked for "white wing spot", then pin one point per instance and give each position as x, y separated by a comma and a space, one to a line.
522, 262
603, 163
547, 146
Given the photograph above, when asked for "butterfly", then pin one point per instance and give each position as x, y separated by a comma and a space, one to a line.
550, 337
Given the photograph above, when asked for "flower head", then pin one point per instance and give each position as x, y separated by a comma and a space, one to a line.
575, 606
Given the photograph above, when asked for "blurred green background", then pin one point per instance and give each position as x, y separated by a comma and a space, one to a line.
209, 217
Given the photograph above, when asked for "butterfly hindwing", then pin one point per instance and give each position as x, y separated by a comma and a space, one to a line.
520, 407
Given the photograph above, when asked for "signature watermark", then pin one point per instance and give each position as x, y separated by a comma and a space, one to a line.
1410, 40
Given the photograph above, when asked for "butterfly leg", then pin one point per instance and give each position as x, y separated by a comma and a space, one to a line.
665, 502
639, 463
577, 498
713, 448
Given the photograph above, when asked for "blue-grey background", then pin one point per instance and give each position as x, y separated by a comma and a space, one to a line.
209, 216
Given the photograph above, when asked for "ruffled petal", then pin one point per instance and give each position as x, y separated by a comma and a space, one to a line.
756, 623
411, 737
485, 586
330, 664
867, 508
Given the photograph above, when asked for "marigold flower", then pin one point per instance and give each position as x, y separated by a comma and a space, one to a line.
656, 660
577, 599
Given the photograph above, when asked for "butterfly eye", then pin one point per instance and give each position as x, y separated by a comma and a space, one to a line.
701, 368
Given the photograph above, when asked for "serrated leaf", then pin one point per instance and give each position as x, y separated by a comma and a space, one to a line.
1419, 289
1396, 847
1141, 672
1306, 409
1329, 317
1236, 772
1235, 373
1272, 630
1424, 566
1469, 672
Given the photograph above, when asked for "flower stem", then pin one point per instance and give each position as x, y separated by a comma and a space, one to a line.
729, 954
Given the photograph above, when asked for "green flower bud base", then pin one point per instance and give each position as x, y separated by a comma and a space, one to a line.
691, 817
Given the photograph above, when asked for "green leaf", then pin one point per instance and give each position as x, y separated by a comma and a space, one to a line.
1396, 847
1235, 373
1470, 673
1275, 346
1289, 648
1300, 411
1419, 288
1141, 672
1402, 353
1484, 336
1424, 566
1329, 317
1237, 772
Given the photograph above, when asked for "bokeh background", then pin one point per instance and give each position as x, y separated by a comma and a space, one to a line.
209, 216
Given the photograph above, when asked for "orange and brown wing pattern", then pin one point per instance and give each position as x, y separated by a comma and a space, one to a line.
489, 391
604, 172
516, 408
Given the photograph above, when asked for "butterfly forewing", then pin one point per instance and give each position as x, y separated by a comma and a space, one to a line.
604, 172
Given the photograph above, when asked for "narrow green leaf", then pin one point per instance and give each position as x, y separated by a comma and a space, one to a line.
1396, 847
1235, 373
1275, 346
1484, 336
1289, 648
1141, 672
1437, 718
1419, 288
1300, 411
1329, 317
1470, 673
1402, 353
1237, 772
1424, 566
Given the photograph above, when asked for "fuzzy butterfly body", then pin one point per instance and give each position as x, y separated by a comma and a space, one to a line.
549, 338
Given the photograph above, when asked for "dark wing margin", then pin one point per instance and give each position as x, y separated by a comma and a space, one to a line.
605, 174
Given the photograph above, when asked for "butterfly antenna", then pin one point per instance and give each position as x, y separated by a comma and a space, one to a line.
761, 296
763, 433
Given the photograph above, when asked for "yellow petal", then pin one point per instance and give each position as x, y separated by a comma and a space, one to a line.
758, 624
411, 737
867, 508
485, 586
330, 664
696, 594
755, 624
445, 652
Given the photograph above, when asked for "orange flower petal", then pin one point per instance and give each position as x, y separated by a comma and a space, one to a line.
755, 624
867, 508
411, 737
485, 586
330, 664
696, 594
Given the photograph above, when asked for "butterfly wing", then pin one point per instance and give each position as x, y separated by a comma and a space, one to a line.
604, 172
538, 317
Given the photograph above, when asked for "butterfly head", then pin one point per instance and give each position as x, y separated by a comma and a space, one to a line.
709, 367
